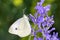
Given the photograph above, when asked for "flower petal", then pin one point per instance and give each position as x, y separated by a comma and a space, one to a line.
47, 8
32, 18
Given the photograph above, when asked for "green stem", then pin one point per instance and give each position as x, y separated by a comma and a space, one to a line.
29, 37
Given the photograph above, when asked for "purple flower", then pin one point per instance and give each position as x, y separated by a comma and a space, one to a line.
32, 18
47, 8
35, 38
54, 36
42, 10
40, 38
48, 21
44, 22
40, 19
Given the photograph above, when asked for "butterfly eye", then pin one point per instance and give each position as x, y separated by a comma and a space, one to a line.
15, 28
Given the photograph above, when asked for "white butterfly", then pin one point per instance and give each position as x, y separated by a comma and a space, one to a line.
21, 27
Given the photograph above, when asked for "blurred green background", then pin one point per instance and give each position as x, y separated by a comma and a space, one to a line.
11, 10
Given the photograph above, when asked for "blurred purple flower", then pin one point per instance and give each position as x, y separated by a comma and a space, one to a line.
40, 19
44, 22
48, 21
54, 36
40, 38
32, 18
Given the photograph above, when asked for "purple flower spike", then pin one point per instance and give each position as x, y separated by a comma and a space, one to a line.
44, 22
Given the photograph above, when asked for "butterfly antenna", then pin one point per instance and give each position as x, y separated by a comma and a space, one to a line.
24, 11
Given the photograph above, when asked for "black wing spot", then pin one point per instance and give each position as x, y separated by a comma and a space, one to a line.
15, 28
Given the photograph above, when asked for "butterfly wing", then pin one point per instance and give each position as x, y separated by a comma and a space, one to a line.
25, 28
21, 27
14, 26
